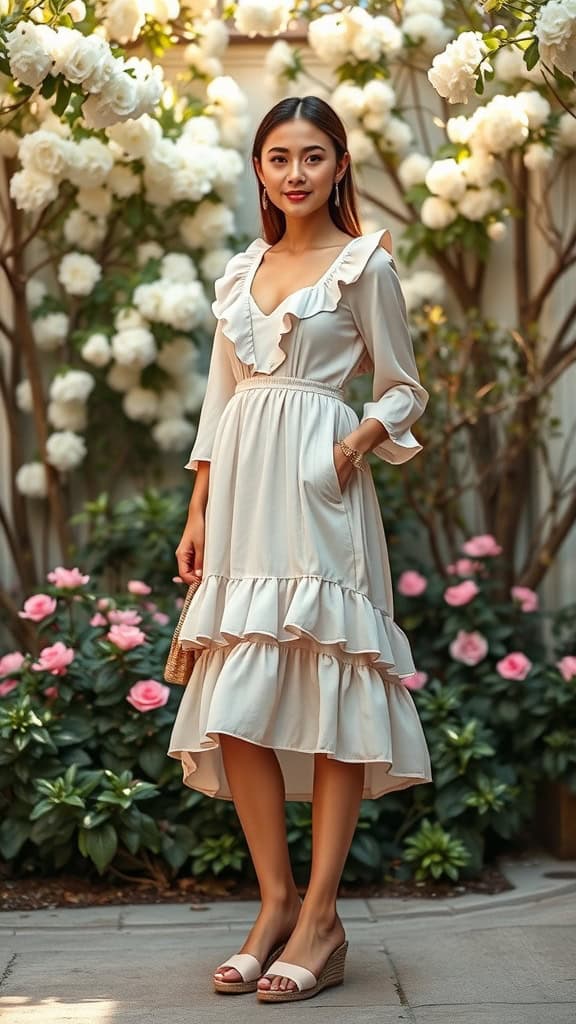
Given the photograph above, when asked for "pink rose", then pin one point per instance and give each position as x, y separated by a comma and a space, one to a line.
412, 583
51, 692
461, 594
567, 667
464, 567
482, 546
103, 603
527, 599
162, 618
125, 617
98, 620
11, 663
514, 666
7, 686
54, 659
126, 637
67, 579
469, 648
38, 607
148, 694
139, 587
416, 681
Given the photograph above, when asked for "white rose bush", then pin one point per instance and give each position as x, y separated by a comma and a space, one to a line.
128, 216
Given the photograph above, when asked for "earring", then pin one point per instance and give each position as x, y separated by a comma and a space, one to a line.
336, 196
265, 199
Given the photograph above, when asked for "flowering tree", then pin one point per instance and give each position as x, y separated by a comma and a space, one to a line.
104, 333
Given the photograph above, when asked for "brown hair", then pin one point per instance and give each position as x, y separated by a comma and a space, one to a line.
321, 114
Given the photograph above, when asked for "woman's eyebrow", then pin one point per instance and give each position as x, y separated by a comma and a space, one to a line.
284, 149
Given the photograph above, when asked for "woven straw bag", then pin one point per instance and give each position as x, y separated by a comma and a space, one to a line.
180, 662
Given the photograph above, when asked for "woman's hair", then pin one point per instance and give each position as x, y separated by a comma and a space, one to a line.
321, 114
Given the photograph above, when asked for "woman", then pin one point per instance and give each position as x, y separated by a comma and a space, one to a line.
298, 692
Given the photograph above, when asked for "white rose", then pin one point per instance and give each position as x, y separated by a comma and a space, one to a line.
137, 138
227, 168
210, 224
24, 399
148, 251
123, 182
555, 29
118, 101
434, 7
202, 130
537, 156
499, 126
140, 404
477, 202
45, 153
32, 191
92, 163
234, 130
329, 37
423, 286
412, 170
65, 450
122, 378
124, 20
348, 101
459, 129
173, 435
72, 386
453, 72
279, 58
496, 230
214, 37
388, 35
567, 131
378, 96
224, 93
437, 213
192, 388
36, 291
177, 266
445, 178
214, 263
97, 201
31, 480
67, 415
183, 305
50, 331
427, 31
479, 169
360, 146
30, 49
196, 57
178, 356
193, 179
508, 64
148, 298
170, 404
78, 273
396, 135
262, 17
365, 45
128, 317
536, 107
96, 350
83, 231
88, 62
164, 10
134, 346
76, 10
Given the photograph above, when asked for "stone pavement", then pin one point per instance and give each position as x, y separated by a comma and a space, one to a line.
502, 959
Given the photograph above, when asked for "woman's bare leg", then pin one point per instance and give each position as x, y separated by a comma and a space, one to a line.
336, 802
257, 786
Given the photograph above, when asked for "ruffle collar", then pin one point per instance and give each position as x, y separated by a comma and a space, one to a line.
236, 309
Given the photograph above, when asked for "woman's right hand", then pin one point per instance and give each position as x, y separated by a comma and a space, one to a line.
190, 550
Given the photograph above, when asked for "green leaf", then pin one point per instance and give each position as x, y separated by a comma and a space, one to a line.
62, 97
531, 55
101, 845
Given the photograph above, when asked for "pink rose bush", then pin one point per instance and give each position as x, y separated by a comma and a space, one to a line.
148, 694
567, 667
526, 598
54, 659
11, 662
126, 638
482, 546
514, 666
461, 594
469, 648
412, 584
67, 579
38, 607
138, 587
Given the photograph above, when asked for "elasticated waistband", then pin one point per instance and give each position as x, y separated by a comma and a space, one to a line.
297, 383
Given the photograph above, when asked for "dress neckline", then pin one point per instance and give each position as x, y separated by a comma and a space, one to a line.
304, 288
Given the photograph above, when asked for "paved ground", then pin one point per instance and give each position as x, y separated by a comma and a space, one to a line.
504, 959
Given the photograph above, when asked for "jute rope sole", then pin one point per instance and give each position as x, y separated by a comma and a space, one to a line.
331, 974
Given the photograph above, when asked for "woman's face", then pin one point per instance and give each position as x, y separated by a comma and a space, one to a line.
299, 167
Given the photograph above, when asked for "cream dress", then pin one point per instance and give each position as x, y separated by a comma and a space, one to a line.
294, 614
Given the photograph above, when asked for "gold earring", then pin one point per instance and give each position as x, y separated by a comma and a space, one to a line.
337, 196
264, 200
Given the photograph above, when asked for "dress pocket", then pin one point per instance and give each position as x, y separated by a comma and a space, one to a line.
328, 472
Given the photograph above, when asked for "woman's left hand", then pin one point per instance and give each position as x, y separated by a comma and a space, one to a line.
344, 467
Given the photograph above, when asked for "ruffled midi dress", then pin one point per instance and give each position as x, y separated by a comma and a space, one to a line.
293, 619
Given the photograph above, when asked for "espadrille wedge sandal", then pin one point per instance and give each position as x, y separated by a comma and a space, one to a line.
249, 969
308, 984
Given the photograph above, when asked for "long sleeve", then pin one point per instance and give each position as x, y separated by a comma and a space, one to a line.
219, 389
399, 399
